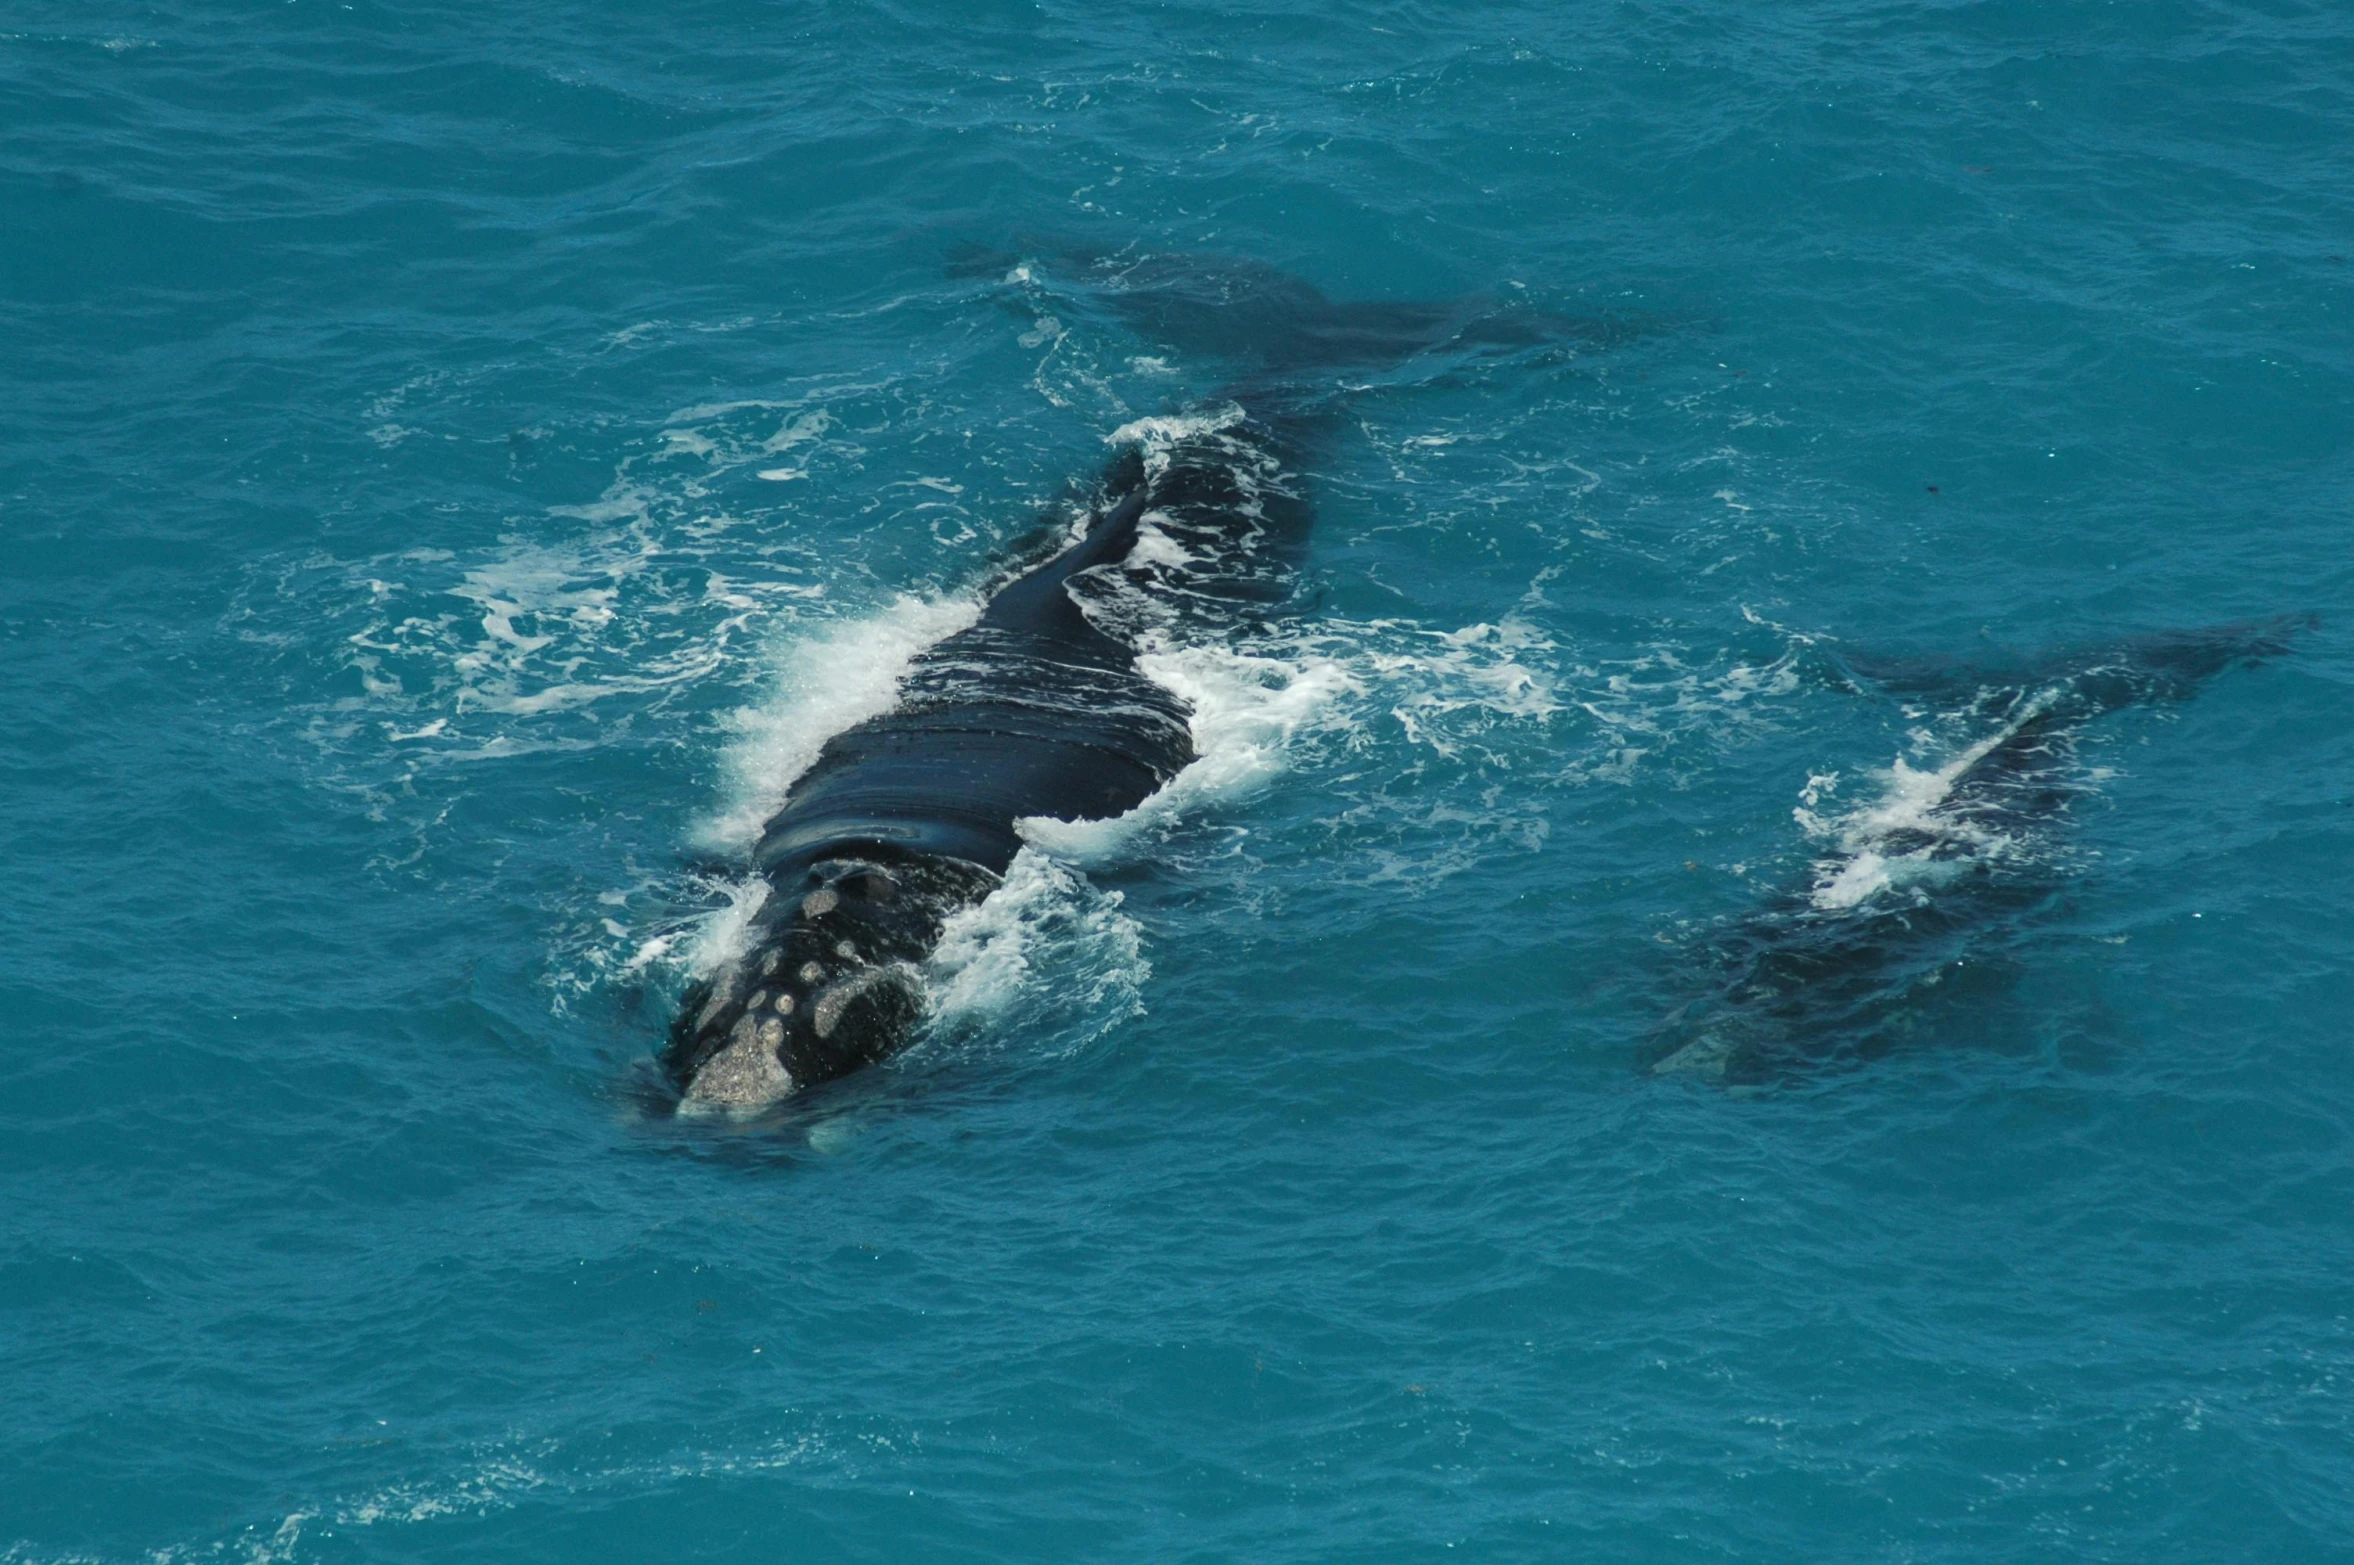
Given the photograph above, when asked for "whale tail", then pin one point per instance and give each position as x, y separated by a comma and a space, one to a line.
1923, 884
1273, 329
2155, 666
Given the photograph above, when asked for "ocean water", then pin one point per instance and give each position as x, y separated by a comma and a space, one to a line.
457, 463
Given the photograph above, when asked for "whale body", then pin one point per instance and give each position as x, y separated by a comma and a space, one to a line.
1037, 710
1040, 709
1820, 975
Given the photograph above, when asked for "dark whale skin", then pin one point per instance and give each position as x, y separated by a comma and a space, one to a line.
1035, 710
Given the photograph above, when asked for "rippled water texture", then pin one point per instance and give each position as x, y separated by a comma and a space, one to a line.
457, 463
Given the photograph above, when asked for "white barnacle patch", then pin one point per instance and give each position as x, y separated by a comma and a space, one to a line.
759, 999
784, 1005
819, 903
744, 1075
831, 1004
772, 1034
768, 963
1706, 1056
844, 948
811, 973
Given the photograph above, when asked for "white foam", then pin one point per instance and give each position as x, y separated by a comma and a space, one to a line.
1047, 946
545, 612
1913, 803
1154, 546
798, 430
827, 679
726, 435
1439, 673
496, 1482
493, 1487
719, 938
1247, 711
624, 500
1649, 705
1161, 432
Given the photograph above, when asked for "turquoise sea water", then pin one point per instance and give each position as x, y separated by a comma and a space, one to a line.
456, 462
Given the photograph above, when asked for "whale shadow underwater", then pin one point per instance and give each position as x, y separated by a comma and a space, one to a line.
1829, 975
1039, 709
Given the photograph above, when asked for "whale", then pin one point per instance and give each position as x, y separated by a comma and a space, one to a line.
1039, 709
1825, 973
1035, 710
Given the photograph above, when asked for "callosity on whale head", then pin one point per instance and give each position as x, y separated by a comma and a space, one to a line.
827, 981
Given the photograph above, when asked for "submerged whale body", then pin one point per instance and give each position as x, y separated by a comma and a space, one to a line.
1820, 976
1249, 314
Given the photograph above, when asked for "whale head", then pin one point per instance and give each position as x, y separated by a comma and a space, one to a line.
827, 981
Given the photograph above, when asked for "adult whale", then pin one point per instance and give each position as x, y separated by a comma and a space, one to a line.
1040, 709
1821, 975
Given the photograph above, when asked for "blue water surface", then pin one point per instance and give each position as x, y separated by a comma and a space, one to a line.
457, 460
